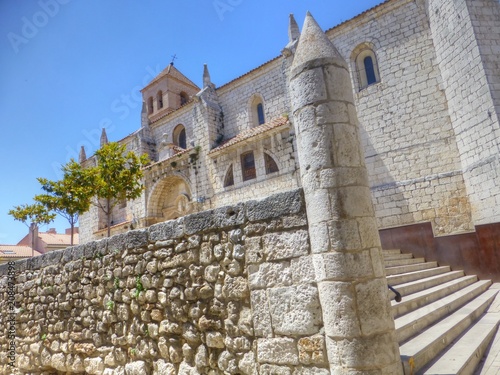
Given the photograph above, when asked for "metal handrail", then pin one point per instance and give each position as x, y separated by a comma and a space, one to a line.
398, 295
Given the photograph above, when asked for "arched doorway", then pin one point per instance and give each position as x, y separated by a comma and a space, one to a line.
170, 199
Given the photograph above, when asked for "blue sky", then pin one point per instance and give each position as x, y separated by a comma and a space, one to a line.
68, 68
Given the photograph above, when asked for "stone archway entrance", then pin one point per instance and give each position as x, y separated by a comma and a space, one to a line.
170, 199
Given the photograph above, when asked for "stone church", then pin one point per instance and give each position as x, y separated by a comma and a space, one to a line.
425, 76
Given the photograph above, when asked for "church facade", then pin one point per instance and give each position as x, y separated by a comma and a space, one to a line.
425, 76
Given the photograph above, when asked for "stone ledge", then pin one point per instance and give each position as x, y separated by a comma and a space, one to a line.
275, 206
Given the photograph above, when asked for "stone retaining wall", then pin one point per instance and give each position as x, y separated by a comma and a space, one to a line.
224, 291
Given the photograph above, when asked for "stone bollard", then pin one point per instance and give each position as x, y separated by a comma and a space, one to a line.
345, 244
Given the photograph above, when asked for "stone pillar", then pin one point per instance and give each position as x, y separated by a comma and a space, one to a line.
347, 257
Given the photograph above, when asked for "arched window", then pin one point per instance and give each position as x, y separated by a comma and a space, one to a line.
184, 98
257, 116
159, 99
229, 179
150, 104
366, 65
369, 70
179, 136
271, 165
260, 113
248, 166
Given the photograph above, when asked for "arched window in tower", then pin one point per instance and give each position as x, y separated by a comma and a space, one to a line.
365, 62
179, 136
271, 165
184, 98
229, 179
159, 99
150, 104
257, 116
248, 166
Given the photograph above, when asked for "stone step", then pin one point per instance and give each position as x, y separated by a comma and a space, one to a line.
463, 355
419, 299
391, 251
490, 363
403, 262
420, 350
416, 275
396, 270
397, 256
426, 283
410, 324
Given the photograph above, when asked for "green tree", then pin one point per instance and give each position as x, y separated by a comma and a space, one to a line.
35, 213
70, 196
32, 215
117, 177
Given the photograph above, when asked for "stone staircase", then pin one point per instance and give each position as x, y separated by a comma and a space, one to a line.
447, 321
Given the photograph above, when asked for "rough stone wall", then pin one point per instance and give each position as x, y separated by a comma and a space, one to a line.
223, 291
410, 147
461, 32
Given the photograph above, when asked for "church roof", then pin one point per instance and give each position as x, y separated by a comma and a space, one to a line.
173, 72
252, 132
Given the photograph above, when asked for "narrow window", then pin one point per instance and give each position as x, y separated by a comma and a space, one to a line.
179, 136
248, 166
260, 113
369, 70
150, 104
184, 98
182, 138
229, 179
271, 165
159, 99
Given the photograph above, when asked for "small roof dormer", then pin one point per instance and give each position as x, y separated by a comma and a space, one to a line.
167, 92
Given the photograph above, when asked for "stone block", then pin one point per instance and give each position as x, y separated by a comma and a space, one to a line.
279, 351
136, 368
285, 245
332, 112
261, 314
319, 238
300, 370
302, 270
199, 222
275, 206
295, 310
339, 309
344, 235
267, 275
168, 230
274, 370
308, 88
374, 308
365, 352
312, 350
229, 216
254, 252
343, 266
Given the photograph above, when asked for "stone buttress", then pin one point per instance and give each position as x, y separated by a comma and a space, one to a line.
348, 263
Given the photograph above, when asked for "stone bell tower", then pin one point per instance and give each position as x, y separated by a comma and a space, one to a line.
348, 262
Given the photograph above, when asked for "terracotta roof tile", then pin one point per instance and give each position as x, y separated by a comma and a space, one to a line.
58, 239
16, 251
252, 132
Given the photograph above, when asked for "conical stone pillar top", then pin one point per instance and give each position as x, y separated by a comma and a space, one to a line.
293, 29
206, 76
345, 245
83, 156
104, 137
314, 45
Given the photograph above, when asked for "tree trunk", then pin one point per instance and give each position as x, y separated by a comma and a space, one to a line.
108, 215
